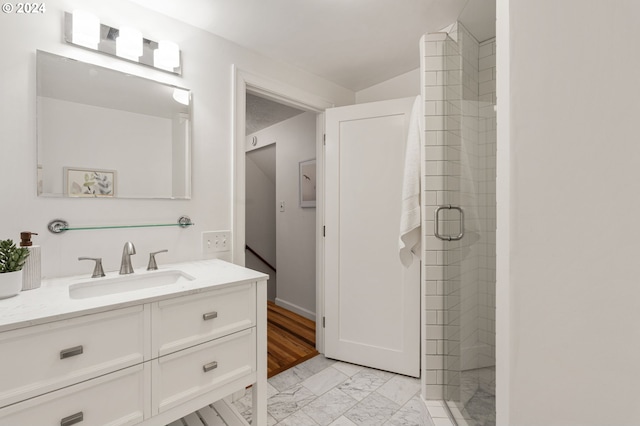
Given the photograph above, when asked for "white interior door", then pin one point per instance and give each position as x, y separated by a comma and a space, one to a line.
372, 303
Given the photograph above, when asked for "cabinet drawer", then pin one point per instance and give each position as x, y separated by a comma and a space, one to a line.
47, 357
116, 399
186, 374
187, 321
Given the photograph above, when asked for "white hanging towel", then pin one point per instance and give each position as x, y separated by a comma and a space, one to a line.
410, 220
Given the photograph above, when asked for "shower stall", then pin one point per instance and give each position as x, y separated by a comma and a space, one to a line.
460, 222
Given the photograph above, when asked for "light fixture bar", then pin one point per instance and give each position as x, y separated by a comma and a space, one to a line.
170, 57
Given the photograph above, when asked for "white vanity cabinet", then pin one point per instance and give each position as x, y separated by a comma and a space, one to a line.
149, 363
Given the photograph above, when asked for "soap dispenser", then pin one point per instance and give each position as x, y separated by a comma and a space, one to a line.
31, 270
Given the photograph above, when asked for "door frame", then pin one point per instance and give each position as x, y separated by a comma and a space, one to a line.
247, 82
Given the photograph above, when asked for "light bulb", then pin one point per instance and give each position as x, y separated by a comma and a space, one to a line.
129, 44
167, 55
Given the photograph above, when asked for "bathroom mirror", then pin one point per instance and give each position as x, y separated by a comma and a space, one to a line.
105, 133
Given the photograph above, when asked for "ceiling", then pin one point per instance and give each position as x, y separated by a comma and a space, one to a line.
353, 43
262, 113
88, 84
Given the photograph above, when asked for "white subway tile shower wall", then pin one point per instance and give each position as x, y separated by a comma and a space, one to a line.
458, 292
433, 48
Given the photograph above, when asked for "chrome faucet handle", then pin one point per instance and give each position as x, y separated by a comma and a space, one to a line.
97, 270
152, 260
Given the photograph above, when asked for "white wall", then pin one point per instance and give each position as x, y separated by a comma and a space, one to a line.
402, 86
207, 64
261, 210
261, 219
295, 141
296, 226
568, 293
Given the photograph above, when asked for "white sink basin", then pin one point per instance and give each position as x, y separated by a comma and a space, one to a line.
124, 283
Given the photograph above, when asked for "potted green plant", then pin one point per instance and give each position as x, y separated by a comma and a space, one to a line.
12, 259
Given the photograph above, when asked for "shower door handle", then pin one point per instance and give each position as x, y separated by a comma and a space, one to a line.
436, 230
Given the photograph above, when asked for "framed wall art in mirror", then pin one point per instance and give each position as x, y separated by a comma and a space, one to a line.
80, 182
110, 124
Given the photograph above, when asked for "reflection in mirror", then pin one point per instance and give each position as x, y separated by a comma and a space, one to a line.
104, 133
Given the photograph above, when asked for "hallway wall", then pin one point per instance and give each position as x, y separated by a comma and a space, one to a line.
295, 141
260, 223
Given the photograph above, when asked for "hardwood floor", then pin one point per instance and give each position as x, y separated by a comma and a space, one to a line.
291, 339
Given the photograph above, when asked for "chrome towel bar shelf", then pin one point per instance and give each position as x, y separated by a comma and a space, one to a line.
58, 226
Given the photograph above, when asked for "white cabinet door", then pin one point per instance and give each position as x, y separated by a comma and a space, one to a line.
116, 399
372, 303
50, 356
186, 321
187, 374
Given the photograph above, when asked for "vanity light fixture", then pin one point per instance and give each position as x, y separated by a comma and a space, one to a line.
85, 29
129, 44
126, 43
167, 55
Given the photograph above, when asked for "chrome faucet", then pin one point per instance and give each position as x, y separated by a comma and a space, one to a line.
125, 265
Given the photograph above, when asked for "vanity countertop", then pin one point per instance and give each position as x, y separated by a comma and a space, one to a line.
51, 302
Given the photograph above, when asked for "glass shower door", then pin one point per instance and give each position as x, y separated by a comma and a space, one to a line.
459, 255
466, 224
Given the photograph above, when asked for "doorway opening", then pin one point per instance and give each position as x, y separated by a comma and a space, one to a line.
280, 227
248, 87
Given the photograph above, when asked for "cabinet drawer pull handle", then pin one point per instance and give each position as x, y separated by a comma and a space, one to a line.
72, 419
209, 316
68, 353
211, 366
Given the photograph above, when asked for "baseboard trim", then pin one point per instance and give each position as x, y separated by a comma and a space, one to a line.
296, 309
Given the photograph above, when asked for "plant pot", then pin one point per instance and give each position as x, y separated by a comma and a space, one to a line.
10, 284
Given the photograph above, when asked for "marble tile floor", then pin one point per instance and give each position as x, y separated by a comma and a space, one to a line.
479, 395
325, 392
477, 405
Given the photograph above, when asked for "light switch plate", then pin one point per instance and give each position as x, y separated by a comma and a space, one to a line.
216, 242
